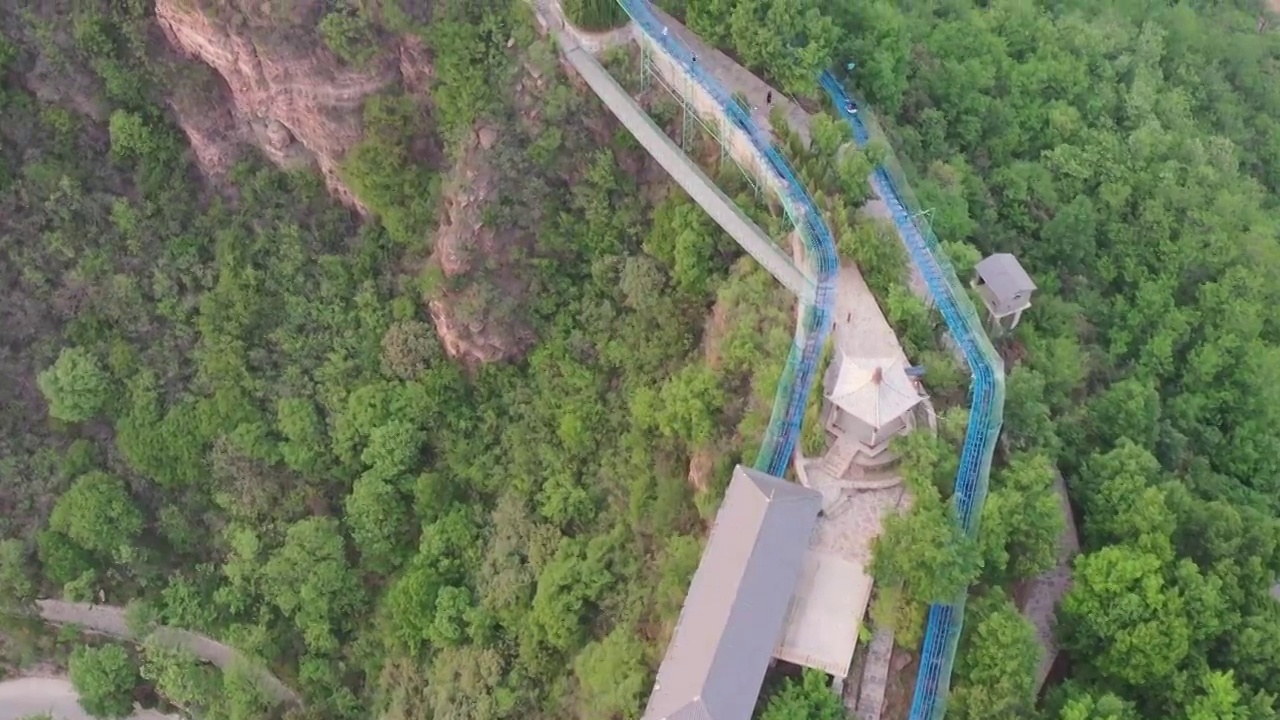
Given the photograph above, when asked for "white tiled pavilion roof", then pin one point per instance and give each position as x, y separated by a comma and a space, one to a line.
876, 391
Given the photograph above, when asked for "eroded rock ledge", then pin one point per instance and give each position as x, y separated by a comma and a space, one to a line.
285, 91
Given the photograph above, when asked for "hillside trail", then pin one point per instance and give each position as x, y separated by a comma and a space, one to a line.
33, 696
110, 620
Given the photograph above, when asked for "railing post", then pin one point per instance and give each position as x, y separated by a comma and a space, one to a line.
725, 128
646, 62
685, 119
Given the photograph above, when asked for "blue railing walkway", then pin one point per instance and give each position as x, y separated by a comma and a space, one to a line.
986, 413
792, 396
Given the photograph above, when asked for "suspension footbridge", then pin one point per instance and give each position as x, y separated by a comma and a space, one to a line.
688, 175
814, 285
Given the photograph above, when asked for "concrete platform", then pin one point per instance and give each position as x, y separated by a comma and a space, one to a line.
831, 599
821, 631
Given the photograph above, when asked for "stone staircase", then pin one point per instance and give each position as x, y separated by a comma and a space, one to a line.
875, 677
879, 478
882, 459
838, 458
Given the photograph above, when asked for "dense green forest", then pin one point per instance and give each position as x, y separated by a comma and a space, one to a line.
231, 410
226, 403
1129, 154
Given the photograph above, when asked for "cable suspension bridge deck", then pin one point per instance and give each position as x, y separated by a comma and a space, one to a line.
688, 175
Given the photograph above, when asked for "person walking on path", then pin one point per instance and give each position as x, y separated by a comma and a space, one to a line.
768, 98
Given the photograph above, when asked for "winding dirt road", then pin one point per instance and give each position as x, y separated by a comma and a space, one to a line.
31, 696
110, 620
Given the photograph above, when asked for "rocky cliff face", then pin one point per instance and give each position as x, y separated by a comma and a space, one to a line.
477, 312
277, 86
285, 91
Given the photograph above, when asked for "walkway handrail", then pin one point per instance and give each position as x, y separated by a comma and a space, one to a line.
986, 400
794, 385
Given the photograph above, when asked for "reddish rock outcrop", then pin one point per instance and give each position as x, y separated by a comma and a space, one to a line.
477, 313
206, 114
288, 93
282, 90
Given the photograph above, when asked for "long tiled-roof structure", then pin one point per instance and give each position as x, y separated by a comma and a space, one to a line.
737, 603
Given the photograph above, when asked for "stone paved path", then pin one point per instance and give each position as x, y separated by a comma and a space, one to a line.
1046, 591
853, 519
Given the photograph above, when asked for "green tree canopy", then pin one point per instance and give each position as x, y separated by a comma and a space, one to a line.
809, 698
180, 677
1022, 520
613, 675
925, 549
105, 678
377, 517
1082, 705
16, 587
1124, 616
98, 514
997, 662
76, 385
349, 35
310, 580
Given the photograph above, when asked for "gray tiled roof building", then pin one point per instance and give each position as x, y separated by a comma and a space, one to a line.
1005, 276
1004, 286
737, 602
1007, 282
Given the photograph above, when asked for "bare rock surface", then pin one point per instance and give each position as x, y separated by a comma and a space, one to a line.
1038, 598
286, 91
208, 118
476, 314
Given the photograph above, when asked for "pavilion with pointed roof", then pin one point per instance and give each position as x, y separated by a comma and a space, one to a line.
870, 400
